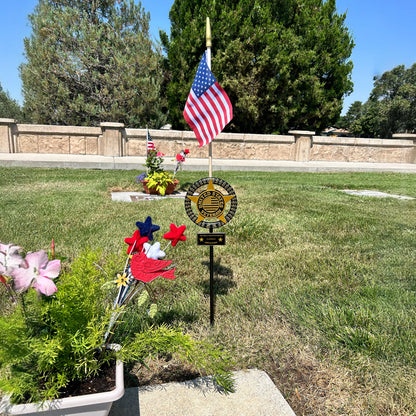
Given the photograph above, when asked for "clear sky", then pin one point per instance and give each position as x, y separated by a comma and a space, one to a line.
383, 31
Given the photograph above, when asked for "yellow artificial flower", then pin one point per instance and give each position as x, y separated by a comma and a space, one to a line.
121, 280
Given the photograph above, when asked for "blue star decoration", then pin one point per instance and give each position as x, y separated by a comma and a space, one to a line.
147, 228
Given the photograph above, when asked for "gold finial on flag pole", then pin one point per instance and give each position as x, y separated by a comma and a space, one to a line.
208, 35
208, 57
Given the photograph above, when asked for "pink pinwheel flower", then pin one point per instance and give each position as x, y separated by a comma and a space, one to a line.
9, 259
37, 274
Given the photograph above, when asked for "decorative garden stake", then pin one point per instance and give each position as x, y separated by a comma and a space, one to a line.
214, 208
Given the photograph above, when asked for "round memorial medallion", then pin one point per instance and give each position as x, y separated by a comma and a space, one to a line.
215, 202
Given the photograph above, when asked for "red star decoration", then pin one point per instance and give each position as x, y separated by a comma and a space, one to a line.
175, 234
145, 269
135, 242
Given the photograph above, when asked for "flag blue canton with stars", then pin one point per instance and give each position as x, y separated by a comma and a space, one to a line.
203, 78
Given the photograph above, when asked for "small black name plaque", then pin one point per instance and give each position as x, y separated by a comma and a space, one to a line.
211, 239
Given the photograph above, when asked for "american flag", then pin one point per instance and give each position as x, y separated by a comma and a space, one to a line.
150, 144
208, 109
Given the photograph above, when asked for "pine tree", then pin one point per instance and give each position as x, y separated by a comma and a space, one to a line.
284, 63
90, 61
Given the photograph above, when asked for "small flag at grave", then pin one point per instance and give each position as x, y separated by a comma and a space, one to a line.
150, 144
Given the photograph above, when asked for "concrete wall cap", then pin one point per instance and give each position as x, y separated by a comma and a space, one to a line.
302, 132
7, 121
404, 136
111, 125
361, 141
166, 134
140, 133
53, 129
268, 138
188, 134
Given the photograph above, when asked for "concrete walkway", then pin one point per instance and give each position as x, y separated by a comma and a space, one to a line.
196, 164
255, 395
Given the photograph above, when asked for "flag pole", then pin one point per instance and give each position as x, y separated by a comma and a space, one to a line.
147, 147
208, 57
211, 248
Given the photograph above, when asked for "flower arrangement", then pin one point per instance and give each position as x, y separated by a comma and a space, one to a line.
54, 330
144, 264
157, 177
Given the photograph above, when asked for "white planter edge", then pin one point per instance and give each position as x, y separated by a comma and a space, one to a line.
95, 404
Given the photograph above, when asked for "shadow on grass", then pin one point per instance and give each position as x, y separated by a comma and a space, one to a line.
222, 278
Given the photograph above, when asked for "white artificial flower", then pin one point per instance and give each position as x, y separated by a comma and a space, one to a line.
9, 258
153, 251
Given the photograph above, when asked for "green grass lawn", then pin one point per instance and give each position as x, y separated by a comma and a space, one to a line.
314, 286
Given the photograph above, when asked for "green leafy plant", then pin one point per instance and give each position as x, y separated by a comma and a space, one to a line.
156, 177
154, 161
160, 181
47, 342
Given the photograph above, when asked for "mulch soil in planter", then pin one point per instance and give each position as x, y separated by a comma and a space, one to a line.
104, 381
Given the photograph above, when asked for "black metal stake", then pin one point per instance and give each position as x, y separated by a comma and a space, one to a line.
211, 282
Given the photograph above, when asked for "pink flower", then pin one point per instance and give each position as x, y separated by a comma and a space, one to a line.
160, 154
37, 274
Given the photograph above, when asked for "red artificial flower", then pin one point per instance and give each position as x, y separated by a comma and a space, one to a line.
145, 269
135, 242
175, 234
180, 158
186, 151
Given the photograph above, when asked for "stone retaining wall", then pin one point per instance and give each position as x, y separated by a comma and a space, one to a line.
112, 139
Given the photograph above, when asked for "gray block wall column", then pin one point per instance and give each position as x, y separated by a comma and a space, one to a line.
6, 135
408, 136
303, 144
112, 139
